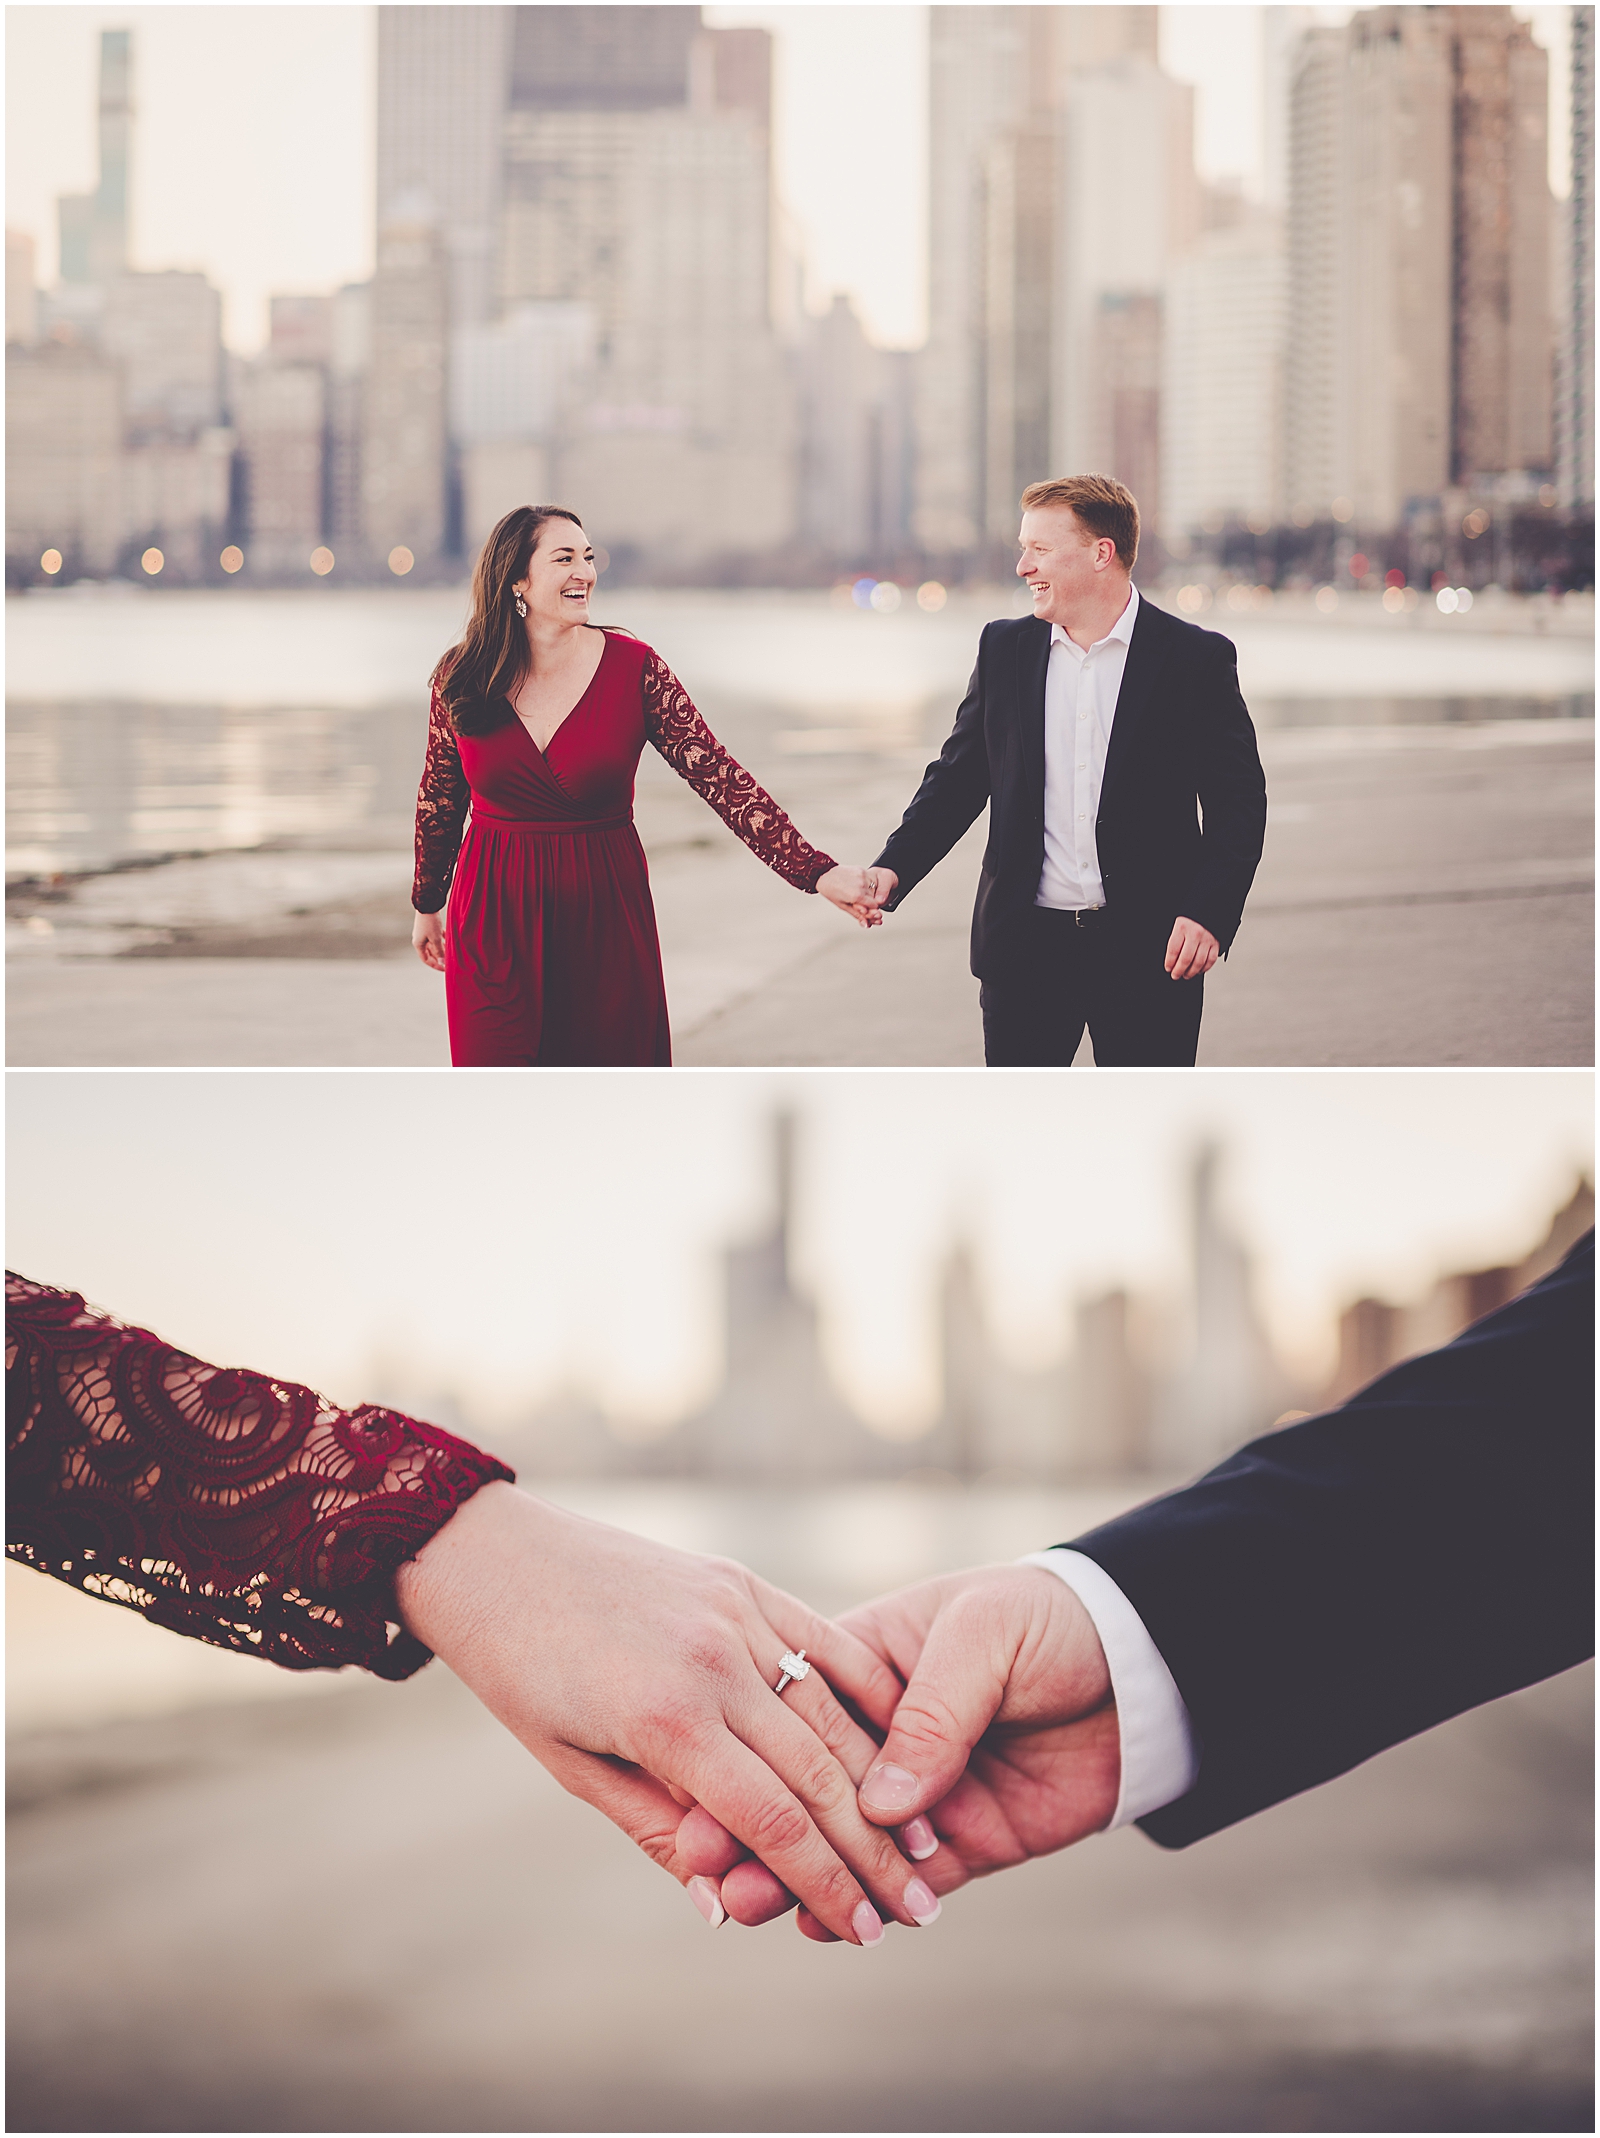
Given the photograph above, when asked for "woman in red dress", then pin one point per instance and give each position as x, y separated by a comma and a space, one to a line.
255, 1514
538, 718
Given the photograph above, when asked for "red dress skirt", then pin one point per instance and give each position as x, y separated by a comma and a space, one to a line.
551, 953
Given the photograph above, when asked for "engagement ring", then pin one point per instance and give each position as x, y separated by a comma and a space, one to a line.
792, 1667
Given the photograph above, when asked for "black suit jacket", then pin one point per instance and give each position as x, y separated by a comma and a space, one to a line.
1346, 1582
1181, 736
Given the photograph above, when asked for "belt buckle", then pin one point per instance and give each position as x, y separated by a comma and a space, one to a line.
1083, 915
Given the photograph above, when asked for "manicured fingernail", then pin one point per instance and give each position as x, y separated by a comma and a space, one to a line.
706, 1898
920, 1839
867, 1924
890, 1789
922, 1903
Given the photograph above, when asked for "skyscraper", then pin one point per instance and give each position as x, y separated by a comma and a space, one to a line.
442, 83
1060, 182
93, 227
1226, 319
1398, 232
1503, 332
1419, 213
638, 185
404, 498
1575, 446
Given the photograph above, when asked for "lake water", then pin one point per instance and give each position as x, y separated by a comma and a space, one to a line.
144, 723
72, 1660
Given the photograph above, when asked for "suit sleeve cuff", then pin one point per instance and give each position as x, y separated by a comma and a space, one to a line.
1160, 1759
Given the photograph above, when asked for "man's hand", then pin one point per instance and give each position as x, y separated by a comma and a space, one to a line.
1004, 1746
643, 1678
1191, 950
853, 892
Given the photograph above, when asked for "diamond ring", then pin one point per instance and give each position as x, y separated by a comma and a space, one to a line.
793, 1667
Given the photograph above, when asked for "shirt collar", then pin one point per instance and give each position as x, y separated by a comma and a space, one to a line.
1122, 628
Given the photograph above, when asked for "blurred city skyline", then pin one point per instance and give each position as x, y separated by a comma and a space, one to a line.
323, 1229
315, 231
1362, 358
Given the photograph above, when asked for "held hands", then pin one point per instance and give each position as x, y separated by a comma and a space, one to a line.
427, 939
1191, 949
1004, 1745
643, 1678
859, 892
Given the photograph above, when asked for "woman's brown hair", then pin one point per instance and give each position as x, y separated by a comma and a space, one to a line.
476, 678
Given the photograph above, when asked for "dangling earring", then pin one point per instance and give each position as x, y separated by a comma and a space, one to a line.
522, 606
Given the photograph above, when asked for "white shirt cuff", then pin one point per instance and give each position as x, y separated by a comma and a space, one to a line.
1160, 1759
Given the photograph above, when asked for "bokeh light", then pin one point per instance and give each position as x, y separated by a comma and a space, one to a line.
931, 596
152, 561
232, 559
322, 562
886, 597
400, 560
50, 562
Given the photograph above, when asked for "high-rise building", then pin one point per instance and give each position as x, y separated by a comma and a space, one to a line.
1397, 220
1316, 447
777, 1416
1226, 320
853, 442
22, 295
1060, 182
1575, 441
403, 464
63, 458
442, 82
93, 227
1421, 340
166, 332
1130, 207
280, 414
1502, 325
512, 387
1109, 1433
350, 353
1230, 1386
638, 185
177, 498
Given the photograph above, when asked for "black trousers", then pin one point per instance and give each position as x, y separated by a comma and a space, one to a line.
1065, 976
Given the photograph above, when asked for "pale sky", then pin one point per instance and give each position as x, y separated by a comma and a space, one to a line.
253, 155
567, 1228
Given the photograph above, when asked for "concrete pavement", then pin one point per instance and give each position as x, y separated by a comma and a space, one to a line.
371, 1911
1426, 897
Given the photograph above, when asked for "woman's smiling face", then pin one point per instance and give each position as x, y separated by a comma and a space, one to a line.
560, 575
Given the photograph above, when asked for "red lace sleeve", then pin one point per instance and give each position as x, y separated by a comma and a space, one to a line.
244, 1511
695, 754
442, 800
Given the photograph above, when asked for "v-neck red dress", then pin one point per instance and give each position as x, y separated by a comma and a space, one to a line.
551, 953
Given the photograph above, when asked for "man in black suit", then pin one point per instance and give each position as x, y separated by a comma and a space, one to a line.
1333, 1588
1097, 730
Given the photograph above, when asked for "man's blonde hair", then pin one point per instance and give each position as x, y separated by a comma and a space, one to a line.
1100, 502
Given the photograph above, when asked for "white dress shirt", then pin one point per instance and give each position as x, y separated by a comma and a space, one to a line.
1080, 703
1160, 1759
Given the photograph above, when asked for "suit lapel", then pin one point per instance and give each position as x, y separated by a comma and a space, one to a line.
1139, 674
1033, 661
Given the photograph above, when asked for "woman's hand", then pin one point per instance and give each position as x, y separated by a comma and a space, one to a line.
427, 939
643, 1678
855, 891
1005, 1745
